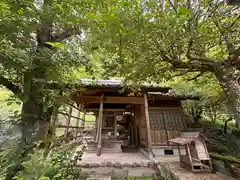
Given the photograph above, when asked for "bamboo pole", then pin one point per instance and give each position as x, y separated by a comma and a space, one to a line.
148, 127
99, 143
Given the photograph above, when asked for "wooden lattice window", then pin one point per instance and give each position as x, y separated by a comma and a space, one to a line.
170, 119
173, 119
156, 119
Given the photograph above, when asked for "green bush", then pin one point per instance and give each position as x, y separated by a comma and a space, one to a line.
227, 144
58, 167
35, 166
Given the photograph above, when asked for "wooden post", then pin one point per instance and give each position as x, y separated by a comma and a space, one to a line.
115, 126
83, 123
165, 127
99, 133
77, 123
97, 126
179, 152
68, 123
148, 127
189, 156
54, 120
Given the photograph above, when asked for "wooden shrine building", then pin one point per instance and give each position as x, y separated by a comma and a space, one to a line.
149, 117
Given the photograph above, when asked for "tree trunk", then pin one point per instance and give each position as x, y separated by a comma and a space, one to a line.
33, 102
227, 78
31, 110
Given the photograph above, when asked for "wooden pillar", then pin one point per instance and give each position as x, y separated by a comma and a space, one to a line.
115, 126
83, 123
77, 123
96, 125
68, 123
99, 133
136, 126
54, 120
132, 131
148, 127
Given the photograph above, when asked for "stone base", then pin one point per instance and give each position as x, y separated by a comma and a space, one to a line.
160, 151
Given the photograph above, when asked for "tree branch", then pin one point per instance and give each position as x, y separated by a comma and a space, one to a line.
234, 56
180, 74
203, 60
8, 84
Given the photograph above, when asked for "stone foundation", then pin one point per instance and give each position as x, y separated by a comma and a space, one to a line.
159, 151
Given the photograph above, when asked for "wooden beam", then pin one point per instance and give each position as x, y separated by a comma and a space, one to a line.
65, 126
78, 108
109, 109
69, 115
149, 139
99, 144
109, 100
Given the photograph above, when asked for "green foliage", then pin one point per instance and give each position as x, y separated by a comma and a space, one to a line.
222, 143
141, 35
10, 158
206, 87
58, 167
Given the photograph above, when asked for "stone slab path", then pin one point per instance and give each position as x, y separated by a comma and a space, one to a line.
172, 163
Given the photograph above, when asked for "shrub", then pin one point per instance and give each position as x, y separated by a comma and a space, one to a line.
58, 167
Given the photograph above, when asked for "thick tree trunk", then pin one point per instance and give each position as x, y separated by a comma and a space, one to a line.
227, 77
31, 109
33, 103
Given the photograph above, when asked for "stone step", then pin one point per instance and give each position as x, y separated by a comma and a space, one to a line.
114, 173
